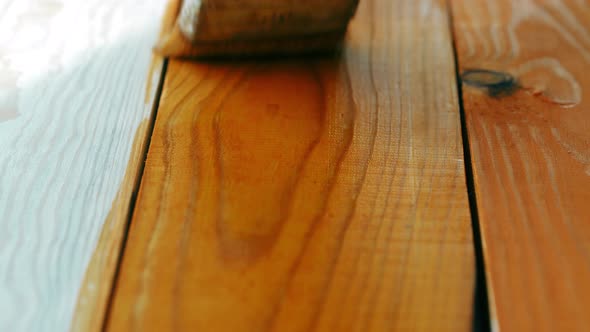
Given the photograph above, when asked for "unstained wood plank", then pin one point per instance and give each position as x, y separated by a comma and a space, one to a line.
76, 97
529, 132
312, 194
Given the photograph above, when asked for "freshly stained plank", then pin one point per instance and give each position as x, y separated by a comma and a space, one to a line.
314, 194
531, 154
73, 125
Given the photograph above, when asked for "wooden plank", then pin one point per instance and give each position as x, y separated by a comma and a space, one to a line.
531, 155
314, 194
76, 99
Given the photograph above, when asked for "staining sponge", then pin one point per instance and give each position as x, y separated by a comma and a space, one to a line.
233, 28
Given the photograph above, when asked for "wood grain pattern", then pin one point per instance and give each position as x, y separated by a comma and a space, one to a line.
531, 156
317, 194
73, 122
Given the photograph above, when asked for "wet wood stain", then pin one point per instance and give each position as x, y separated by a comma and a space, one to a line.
322, 194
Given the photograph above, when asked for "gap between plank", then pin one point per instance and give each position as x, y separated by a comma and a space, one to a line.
132, 201
481, 307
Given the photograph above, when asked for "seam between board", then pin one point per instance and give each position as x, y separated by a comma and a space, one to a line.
134, 193
481, 307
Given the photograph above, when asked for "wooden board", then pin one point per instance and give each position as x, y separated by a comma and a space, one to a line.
75, 103
314, 194
531, 154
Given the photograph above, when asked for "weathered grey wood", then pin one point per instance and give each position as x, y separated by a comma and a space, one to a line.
73, 114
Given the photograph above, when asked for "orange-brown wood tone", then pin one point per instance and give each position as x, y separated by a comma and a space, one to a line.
529, 134
307, 195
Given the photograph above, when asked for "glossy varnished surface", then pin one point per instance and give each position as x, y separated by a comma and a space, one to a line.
295, 195
530, 143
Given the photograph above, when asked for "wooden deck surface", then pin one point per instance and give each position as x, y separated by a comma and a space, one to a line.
356, 192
